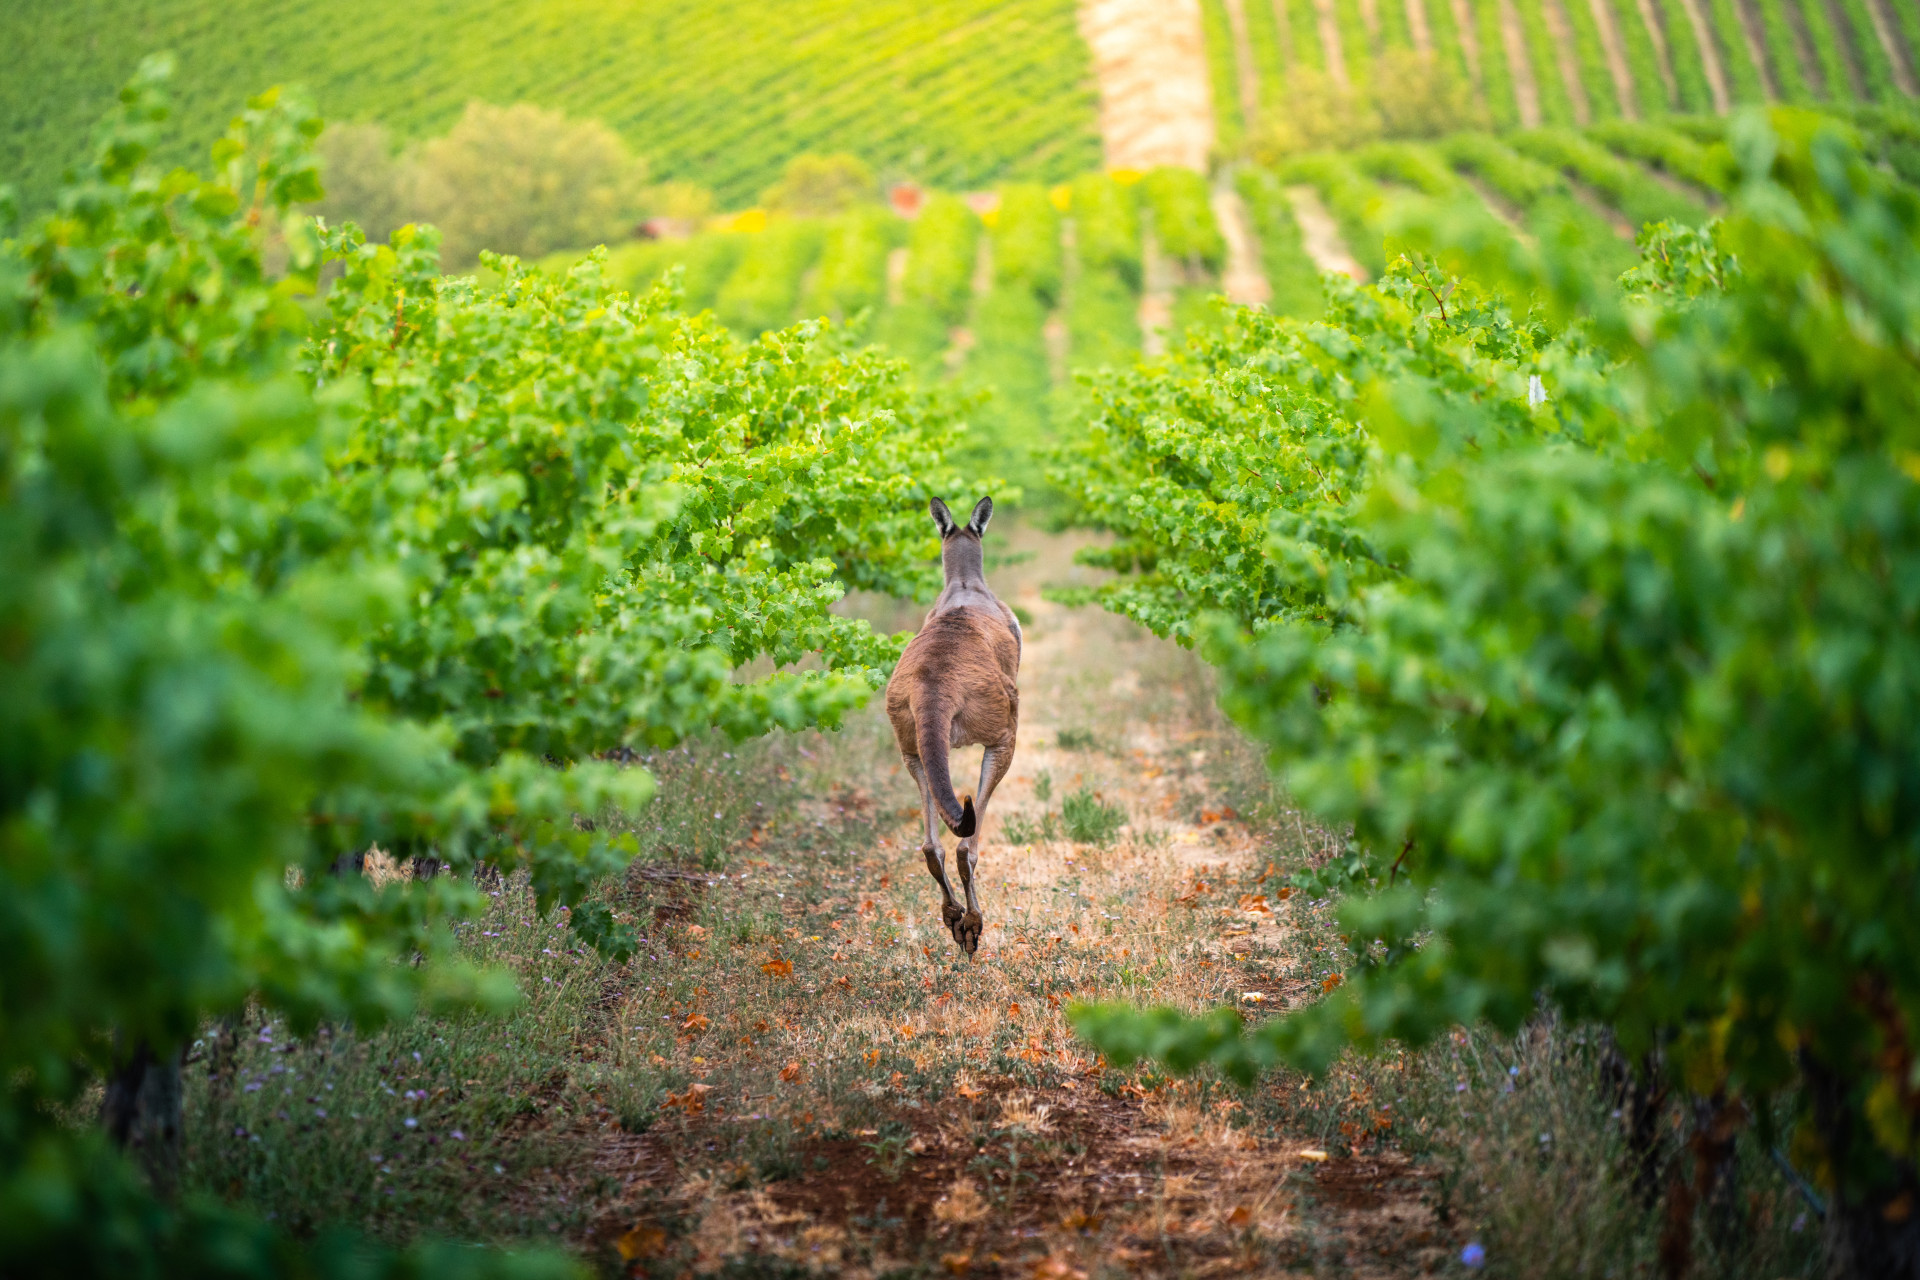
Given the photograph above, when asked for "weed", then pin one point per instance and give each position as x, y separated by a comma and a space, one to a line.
1090, 820
1077, 740
1018, 828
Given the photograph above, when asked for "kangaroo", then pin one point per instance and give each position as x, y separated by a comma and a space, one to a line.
955, 687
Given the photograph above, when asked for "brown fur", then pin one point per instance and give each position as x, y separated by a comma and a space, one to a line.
957, 685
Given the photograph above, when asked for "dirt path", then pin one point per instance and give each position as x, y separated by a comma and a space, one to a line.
1882, 25
1417, 27
1246, 73
1661, 56
1463, 23
1330, 46
1623, 87
1526, 93
1157, 282
1243, 281
1567, 60
846, 1091
1156, 103
1750, 36
1709, 56
1320, 235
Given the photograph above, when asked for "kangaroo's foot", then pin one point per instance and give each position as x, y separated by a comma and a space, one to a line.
965, 926
966, 933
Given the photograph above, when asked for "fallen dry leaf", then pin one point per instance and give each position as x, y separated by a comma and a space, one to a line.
778, 968
791, 1071
641, 1242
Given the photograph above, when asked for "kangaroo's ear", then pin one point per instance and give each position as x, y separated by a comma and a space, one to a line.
982, 512
942, 518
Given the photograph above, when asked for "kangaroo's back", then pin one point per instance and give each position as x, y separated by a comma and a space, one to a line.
957, 684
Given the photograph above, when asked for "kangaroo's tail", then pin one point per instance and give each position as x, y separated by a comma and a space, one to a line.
933, 730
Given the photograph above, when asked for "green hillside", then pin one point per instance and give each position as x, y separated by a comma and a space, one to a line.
1672, 57
957, 93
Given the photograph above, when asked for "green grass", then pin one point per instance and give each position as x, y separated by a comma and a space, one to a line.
1089, 819
1503, 108
1446, 41
1602, 97
958, 93
1622, 183
1743, 78
1832, 60
1350, 197
1270, 64
1556, 107
940, 255
1643, 63
1103, 324
764, 290
1106, 226
705, 262
852, 275
1355, 44
1009, 363
1683, 52
1177, 201
1304, 31
1868, 53
1229, 123
1294, 279
1026, 242
1550, 210
1709, 166
1782, 56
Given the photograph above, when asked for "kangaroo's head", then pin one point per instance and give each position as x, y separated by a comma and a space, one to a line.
960, 554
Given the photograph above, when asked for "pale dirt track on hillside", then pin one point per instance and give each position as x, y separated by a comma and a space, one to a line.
1156, 100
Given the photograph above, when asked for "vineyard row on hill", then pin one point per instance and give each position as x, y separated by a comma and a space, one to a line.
1047, 284
956, 92
1560, 63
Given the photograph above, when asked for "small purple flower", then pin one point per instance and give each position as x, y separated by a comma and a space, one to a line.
411, 1123
320, 1112
254, 1087
1474, 1256
458, 1136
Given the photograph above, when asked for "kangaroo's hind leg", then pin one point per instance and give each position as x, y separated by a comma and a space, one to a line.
994, 763
936, 856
